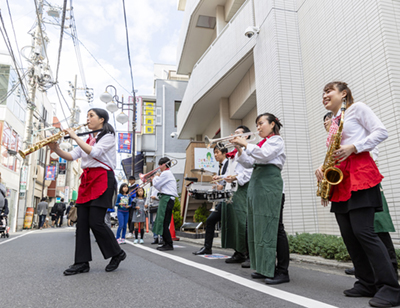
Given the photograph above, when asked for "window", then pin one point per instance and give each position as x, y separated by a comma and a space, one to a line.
4, 77
177, 106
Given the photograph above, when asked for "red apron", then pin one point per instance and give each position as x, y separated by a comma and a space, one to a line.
94, 182
359, 172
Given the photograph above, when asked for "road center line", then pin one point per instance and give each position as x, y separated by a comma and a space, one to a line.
286, 296
14, 238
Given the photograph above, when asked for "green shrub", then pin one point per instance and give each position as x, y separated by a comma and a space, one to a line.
201, 214
176, 212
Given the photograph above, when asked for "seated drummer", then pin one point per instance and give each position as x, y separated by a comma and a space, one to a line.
215, 217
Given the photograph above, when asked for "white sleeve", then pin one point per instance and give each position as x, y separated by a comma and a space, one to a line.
160, 181
76, 153
106, 143
269, 150
244, 176
245, 160
377, 131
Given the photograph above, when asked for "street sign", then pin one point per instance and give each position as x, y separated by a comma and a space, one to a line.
24, 173
62, 168
124, 142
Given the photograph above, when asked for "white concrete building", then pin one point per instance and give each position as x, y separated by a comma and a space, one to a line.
301, 45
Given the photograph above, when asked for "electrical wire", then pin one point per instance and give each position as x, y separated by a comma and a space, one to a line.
61, 38
9, 47
41, 31
129, 54
62, 108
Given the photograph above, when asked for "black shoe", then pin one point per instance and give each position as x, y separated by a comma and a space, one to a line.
256, 275
279, 278
357, 293
115, 261
161, 242
77, 268
246, 264
165, 248
350, 271
203, 251
155, 241
377, 302
236, 258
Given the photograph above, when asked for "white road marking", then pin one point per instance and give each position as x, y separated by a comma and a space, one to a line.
14, 238
286, 296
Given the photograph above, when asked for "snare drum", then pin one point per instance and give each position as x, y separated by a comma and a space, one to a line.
218, 195
199, 191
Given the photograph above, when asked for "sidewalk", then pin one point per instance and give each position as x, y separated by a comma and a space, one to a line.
293, 256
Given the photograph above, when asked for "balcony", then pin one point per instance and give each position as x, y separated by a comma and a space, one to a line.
216, 73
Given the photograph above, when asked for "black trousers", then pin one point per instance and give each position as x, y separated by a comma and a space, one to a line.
59, 218
211, 221
282, 245
92, 217
167, 220
371, 260
387, 241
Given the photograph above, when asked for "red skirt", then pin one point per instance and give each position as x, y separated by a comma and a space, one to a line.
94, 183
359, 172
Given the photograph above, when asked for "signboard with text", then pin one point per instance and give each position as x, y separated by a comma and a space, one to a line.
124, 142
204, 159
50, 173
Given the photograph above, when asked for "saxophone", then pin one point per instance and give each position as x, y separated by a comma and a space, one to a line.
332, 174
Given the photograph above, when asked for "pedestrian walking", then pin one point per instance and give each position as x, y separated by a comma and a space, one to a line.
42, 209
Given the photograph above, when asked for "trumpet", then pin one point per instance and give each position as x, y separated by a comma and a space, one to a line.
225, 142
38, 145
146, 178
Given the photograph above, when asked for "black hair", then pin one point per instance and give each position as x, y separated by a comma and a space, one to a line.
107, 128
131, 178
144, 192
43, 199
71, 203
62, 199
328, 115
245, 130
122, 186
221, 148
166, 161
271, 118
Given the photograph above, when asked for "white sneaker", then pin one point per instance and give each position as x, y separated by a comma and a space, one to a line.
136, 241
141, 241
122, 241
129, 235
118, 240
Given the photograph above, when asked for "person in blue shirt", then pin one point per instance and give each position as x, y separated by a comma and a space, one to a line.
132, 195
123, 203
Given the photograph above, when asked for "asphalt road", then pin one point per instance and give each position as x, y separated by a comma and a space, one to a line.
33, 262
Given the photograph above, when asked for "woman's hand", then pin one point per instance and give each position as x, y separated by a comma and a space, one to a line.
344, 151
319, 174
230, 178
138, 207
239, 141
220, 187
146, 206
324, 202
71, 133
54, 146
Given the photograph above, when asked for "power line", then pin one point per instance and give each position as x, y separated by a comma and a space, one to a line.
61, 38
40, 28
127, 46
62, 109
9, 47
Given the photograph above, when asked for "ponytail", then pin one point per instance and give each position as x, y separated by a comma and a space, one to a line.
271, 118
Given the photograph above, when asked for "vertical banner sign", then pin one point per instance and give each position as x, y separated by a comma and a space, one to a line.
66, 193
138, 117
124, 142
149, 117
24, 173
50, 173
62, 168
204, 159
61, 180
28, 218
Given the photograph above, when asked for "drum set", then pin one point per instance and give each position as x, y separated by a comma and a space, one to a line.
207, 190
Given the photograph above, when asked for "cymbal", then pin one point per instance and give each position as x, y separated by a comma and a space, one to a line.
202, 171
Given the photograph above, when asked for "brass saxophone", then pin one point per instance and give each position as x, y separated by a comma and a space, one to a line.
38, 145
332, 174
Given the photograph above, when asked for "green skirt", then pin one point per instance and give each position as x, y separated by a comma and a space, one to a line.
158, 227
264, 198
383, 222
233, 221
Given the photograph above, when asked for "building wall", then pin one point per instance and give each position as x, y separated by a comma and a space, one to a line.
174, 148
362, 50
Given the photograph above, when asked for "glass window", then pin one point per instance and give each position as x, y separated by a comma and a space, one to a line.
4, 77
177, 106
4, 156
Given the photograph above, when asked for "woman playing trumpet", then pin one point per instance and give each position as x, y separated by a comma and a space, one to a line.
96, 190
266, 234
356, 199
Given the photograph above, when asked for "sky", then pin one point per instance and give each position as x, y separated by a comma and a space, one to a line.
153, 27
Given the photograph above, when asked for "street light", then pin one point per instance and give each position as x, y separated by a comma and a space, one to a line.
113, 105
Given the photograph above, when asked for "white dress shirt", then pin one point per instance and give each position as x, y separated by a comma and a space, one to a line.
243, 174
104, 151
153, 193
272, 152
166, 183
362, 128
